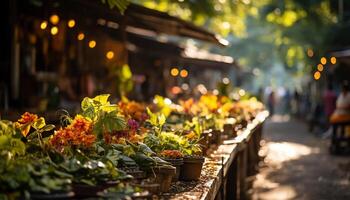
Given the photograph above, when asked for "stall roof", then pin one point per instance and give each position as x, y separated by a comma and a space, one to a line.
139, 17
162, 22
342, 53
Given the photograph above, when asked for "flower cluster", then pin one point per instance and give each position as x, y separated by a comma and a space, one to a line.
134, 110
171, 154
77, 134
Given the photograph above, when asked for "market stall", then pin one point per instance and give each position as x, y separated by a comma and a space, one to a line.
206, 149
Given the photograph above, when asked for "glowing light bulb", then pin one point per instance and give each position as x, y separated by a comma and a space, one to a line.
110, 55
81, 36
54, 30
54, 19
43, 25
71, 23
174, 72
333, 60
317, 75
320, 67
183, 73
92, 44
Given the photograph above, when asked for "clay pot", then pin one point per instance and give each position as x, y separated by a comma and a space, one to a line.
164, 175
85, 191
191, 169
177, 163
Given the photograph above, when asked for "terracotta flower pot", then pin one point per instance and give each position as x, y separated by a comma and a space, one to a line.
177, 163
191, 169
164, 175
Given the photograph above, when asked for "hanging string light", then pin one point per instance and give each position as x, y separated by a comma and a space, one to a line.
92, 44
43, 25
184, 73
174, 72
320, 67
333, 60
54, 19
54, 30
71, 23
110, 55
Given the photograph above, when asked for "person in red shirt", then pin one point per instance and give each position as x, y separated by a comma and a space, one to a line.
329, 99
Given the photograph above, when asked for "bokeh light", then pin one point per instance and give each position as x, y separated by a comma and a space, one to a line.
110, 55
333, 60
43, 25
71, 23
317, 75
54, 30
184, 73
92, 44
81, 36
54, 19
174, 72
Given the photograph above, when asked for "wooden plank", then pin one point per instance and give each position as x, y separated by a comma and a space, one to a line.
216, 167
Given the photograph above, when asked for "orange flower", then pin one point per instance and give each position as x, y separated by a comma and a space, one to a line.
78, 134
27, 118
134, 110
25, 122
171, 154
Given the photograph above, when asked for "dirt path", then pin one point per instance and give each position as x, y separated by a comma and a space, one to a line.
298, 166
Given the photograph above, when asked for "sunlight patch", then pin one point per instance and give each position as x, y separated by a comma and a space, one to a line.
279, 152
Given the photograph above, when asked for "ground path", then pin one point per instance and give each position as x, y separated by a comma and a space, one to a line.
298, 165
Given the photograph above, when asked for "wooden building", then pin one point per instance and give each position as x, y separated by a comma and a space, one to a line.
57, 51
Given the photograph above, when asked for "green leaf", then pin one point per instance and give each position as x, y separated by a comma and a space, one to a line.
48, 127
161, 119
128, 150
109, 122
102, 99
152, 117
86, 103
39, 123
145, 149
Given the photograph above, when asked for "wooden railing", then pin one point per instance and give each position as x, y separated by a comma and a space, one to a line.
228, 173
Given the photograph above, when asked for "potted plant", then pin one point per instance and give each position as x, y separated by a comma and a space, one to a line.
175, 158
192, 164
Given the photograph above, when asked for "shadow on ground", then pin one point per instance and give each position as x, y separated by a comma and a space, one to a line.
298, 166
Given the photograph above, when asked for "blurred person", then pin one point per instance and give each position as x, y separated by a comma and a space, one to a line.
287, 99
271, 103
296, 103
342, 110
329, 99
